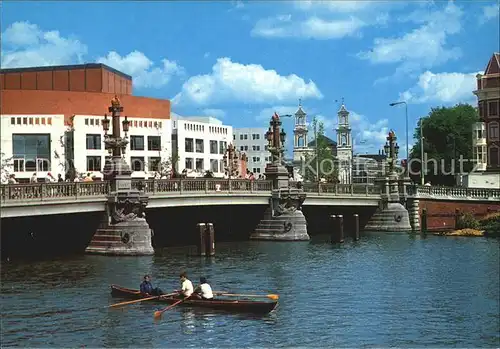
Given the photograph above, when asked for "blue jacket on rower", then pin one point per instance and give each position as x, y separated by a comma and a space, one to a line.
146, 287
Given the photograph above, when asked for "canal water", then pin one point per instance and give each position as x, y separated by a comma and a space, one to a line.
383, 291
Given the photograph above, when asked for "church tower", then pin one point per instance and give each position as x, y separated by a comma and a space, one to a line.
300, 135
344, 146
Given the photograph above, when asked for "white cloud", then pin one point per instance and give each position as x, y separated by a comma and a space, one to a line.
442, 88
217, 113
27, 46
489, 12
231, 81
206, 55
312, 28
334, 6
142, 69
423, 47
367, 135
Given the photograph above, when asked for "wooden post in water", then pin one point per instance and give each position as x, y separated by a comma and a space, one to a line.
340, 225
457, 217
333, 232
356, 227
201, 245
210, 239
423, 228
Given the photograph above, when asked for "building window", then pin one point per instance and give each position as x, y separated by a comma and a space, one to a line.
199, 164
492, 108
137, 163
479, 134
33, 149
18, 164
94, 163
213, 147
256, 159
214, 165
222, 147
256, 147
494, 157
480, 154
154, 164
256, 170
222, 166
136, 142
266, 147
255, 136
493, 131
188, 145
12, 121
243, 137
154, 143
94, 141
234, 137
199, 146
189, 163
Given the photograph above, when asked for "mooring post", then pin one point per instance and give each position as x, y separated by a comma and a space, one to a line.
201, 245
333, 232
210, 241
356, 227
423, 228
457, 217
340, 222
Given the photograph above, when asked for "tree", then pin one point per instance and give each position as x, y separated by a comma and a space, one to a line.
327, 164
5, 167
447, 135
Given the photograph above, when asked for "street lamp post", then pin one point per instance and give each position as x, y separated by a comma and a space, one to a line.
315, 125
422, 161
406, 113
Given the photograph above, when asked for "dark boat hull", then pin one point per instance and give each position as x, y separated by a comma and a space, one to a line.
237, 306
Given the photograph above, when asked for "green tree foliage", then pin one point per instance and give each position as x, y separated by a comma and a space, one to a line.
447, 135
327, 165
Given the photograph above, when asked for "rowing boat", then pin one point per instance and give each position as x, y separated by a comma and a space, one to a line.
239, 306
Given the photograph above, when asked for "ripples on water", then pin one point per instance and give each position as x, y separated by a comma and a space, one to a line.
383, 291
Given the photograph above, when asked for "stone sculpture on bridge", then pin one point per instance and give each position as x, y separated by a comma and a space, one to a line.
283, 219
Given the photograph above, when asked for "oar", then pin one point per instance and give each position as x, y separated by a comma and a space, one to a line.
140, 300
134, 301
274, 297
157, 314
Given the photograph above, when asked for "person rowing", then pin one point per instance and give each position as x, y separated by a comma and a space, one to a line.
204, 290
147, 288
186, 286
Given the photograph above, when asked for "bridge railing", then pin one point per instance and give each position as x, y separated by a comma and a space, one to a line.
154, 186
45, 191
41, 191
453, 192
341, 189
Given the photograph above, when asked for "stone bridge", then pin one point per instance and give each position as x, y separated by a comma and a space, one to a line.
21, 200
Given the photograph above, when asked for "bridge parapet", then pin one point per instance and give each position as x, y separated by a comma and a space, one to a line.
453, 193
342, 189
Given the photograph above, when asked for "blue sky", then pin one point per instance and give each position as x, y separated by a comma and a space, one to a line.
242, 60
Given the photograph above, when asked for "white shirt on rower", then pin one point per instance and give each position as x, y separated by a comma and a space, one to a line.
206, 291
187, 288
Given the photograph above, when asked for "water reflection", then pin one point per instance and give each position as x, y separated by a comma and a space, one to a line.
381, 291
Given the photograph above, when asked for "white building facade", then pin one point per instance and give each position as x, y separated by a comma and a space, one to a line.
479, 146
39, 144
199, 144
253, 142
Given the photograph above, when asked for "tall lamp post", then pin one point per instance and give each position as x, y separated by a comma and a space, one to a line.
230, 154
422, 161
391, 149
116, 145
406, 113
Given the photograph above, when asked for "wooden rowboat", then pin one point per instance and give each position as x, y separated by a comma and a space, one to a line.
238, 306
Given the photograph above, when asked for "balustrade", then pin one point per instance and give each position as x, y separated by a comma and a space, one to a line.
454, 192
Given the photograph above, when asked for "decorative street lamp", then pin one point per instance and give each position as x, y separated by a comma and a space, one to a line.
115, 144
406, 113
231, 165
276, 139
391, 149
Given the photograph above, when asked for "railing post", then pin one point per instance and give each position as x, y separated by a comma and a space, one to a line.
351, 186
155, 185
206, 186
181, 186
43, 191
252, 186
366, 189
229, 186
319, 188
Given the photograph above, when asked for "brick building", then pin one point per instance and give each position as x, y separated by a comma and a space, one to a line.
52, 115
488, 94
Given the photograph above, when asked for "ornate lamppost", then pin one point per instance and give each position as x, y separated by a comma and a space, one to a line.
276, 140
231, 165
125, 230
391, 149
